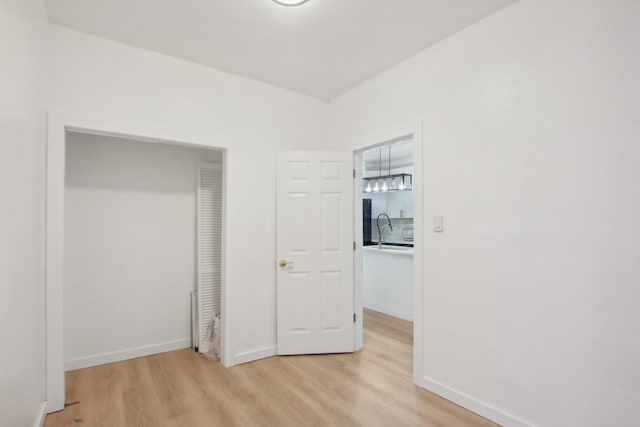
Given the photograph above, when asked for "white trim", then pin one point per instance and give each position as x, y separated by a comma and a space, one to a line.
388, 310
226, 315
481, 408
418, 251
358, 237
130, 353
251, 356
54, 284
43, 264
41, 415
57, 126
415, 131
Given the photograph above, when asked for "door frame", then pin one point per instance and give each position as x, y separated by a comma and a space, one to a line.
415, 132
58, 125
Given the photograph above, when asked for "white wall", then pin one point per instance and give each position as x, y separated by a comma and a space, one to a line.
22, 27
530, 119
94, 77
531, 153
130, 240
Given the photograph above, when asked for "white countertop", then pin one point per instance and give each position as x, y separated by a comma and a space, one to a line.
387, 249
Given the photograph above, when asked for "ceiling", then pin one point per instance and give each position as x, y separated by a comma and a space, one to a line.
379, 160
322, 48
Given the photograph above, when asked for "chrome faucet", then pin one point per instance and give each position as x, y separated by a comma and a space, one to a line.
380, 236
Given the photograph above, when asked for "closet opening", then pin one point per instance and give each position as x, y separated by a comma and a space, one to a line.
142, 232
135, 250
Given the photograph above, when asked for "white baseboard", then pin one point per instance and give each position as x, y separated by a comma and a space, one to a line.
41, 415
131, 353
490, 412
387, 309
253, 355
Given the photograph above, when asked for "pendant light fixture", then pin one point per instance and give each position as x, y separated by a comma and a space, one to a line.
389, 182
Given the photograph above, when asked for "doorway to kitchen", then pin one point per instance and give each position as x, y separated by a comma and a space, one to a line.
388, 233
387, 221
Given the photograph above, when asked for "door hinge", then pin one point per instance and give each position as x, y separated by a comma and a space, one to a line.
354, 173
354, 318
354, 245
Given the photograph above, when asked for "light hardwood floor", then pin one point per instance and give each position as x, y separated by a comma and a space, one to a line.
372, 387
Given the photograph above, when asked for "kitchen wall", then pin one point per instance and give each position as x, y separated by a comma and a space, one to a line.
94, 77
398, 205
531, 296
22, 90
130, 243
402, 230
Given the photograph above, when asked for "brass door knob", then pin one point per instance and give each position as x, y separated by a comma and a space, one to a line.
284, 263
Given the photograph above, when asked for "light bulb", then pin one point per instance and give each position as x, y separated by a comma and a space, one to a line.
368, 189
384, 185
393, 184
376, 187
401, 186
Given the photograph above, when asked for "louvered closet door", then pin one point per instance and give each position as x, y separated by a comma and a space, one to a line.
209, 248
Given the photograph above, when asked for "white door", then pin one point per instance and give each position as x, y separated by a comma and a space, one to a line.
315, 252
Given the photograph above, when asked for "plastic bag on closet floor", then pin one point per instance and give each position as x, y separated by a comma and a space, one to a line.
213, 339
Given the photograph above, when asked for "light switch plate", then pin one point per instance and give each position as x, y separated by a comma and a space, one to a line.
438, 223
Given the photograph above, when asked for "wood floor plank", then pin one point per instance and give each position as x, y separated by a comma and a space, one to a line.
372, 387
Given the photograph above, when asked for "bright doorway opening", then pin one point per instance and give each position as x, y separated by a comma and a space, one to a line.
386, 190
387, 260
